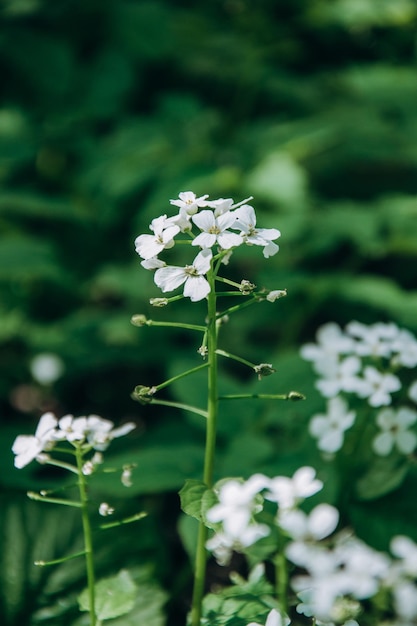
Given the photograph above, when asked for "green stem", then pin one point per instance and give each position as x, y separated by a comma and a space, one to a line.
237, 307
235, 358
176, 325
179, 376
255, 396
212, 410
281, 581
88, 536
183, 407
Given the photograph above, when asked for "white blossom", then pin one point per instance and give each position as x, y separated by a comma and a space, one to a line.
245, 220
287, 492
237, 504
338, 375
405, 549
331, 341
405, 347
189, 203
196, 286
95, 430
215, 230
28, 447
320, 523
148, 246
375, 340
395, 431
377, 386
329, 428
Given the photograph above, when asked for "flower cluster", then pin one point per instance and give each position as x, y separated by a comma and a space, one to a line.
364, 361
341, 574
239, 502
94, 431
336, 573
220, 227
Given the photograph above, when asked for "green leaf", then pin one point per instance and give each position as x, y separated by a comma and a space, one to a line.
115, 596
383, 476
191, 496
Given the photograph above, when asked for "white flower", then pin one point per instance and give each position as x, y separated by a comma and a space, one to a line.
363, 568
100, 432
237, 504
329, 429
196, 287
374, 340
331, 341
405, 549
189, 203
246, 221
28, 447
338, 375
395, 431
214, 230
46, 368
406, 348
223, 205
287, 492
222, 544
274, 619
320, 523
377, 387
148, 246
71, 428
405, 600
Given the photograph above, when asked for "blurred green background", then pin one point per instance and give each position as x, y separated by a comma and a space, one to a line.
109, 108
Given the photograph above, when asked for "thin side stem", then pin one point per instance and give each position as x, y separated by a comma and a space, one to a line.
88, 536
212, 410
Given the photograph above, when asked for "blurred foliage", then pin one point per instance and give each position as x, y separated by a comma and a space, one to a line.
112, 107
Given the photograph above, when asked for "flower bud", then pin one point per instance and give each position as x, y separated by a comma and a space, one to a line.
246, 287
264, 369
276, 295
105, 509
138, 320
143, 394
295, 395
158, 302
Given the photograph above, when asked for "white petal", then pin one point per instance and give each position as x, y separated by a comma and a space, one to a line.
196, 288
202, 261
406, 441
170, 277
47, 423
383, 444
323, 520
205, 220
229, 240
204, 240
270, 249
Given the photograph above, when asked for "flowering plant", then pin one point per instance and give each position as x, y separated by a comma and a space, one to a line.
83, 439
305, 562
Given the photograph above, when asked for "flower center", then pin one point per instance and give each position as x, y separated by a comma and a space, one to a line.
190, 270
